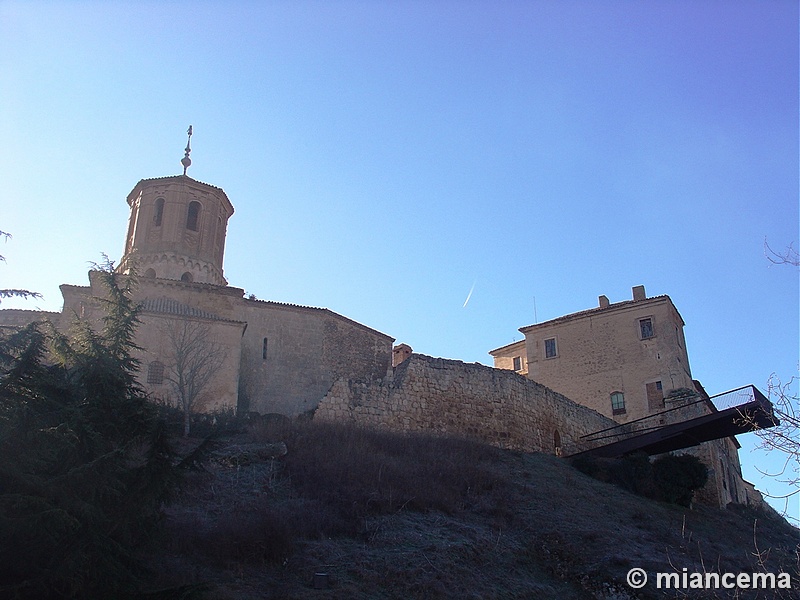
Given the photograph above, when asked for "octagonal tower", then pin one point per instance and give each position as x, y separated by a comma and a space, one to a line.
177, 230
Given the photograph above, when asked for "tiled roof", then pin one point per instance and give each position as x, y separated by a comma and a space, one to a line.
180, 177
508, 346
169, 306
317, 309
597, 310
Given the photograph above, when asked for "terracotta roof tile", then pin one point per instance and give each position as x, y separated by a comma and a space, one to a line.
169, 306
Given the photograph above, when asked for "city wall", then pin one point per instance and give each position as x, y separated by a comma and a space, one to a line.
471, 400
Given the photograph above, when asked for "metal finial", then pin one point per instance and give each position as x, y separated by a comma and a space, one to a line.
186, 161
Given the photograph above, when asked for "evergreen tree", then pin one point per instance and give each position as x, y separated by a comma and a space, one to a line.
84, 461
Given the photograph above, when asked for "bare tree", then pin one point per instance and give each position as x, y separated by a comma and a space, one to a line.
787, 257
194, 359
785, 437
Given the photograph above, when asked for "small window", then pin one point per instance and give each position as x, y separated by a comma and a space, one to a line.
159, 212
193, 216
155, 373
517, 363
187, 277
150, 273
264, 349
556, 442
655, 395
618, 403
550, 348
646, 328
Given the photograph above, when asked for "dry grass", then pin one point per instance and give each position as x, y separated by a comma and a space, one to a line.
391, 516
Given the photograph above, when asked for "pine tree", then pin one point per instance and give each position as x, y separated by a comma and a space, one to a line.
84, 461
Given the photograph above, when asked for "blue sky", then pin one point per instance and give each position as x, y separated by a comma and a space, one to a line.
384, 157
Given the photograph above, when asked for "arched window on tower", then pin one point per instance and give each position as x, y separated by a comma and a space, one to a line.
158, 215
193, 216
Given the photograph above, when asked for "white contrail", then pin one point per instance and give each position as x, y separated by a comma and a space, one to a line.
472, 289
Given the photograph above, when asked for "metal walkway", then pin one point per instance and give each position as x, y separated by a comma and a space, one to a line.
638, 436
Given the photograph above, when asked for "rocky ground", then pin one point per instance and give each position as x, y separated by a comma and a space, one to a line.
320, 513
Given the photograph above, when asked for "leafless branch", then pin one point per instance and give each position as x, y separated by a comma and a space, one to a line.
194, 360
787, 257
784, 437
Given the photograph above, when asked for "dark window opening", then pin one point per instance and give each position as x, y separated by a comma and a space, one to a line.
646, 328
517, 363
550, 348
159, 212
155, 373
264, 349
193, 216
655, 395
618, 403
187, 277
557, 442
150, 273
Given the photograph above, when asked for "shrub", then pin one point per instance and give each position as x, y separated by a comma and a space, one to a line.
677, 477
361, 472
669, 478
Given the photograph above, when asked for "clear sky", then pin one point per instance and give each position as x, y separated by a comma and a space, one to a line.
385, 158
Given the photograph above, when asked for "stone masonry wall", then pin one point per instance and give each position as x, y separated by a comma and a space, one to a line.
470, 400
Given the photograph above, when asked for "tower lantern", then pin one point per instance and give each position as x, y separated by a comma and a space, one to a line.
177, 228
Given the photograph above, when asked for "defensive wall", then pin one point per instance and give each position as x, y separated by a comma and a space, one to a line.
471, 400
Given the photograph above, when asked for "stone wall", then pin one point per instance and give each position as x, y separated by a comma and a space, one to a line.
470, 400
14, 317
291, 355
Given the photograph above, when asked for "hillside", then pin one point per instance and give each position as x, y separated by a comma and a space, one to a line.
386, 516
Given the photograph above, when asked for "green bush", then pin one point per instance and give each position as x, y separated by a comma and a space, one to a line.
669, 478
677, 477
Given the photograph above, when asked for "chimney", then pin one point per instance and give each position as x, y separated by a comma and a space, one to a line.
639, 293
400, 353
603, 301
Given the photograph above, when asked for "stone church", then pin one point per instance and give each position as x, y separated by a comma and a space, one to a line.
268, 357
569, 379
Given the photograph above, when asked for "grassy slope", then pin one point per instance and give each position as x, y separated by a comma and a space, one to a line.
398, 517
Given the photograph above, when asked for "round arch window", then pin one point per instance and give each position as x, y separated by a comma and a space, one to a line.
193, 216
187, 277
158, 212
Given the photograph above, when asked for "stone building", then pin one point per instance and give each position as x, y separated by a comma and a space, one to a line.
628, 361
570, 377
619, 359
268, 357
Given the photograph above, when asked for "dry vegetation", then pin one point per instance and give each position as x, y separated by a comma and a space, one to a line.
391, 516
